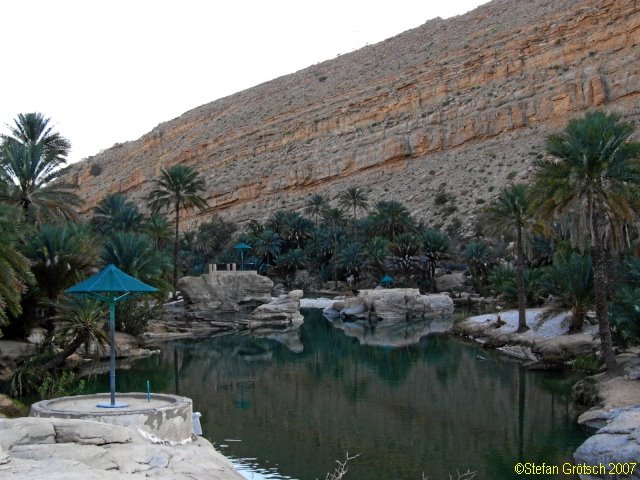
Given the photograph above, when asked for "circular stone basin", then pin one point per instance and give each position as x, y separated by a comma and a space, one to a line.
168, 417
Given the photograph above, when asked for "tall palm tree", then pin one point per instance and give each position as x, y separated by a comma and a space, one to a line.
135, 254
178, 187
354, 198
510, 213
403, 252
30, 160
592, 185
14, 266
296, 229
333, 220
315, 206
478, 255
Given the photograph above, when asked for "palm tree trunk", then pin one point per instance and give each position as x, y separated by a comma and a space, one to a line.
600, 287
175, 253
577, 318
522, 295
62, 356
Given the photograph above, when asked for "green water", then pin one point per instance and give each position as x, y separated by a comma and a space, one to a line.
432, 408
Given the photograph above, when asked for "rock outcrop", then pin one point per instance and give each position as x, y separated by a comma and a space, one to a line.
282, 312
224, 292
57, 449
391, 305
458, 106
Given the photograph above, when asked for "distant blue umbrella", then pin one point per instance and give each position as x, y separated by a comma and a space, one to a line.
111, 285
242, 247
386, 281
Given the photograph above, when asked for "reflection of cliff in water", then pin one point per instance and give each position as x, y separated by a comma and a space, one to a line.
432, 407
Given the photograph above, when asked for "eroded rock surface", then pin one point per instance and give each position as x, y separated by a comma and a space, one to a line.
58, 449
226, 291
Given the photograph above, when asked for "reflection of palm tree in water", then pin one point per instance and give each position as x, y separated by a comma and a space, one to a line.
522, 395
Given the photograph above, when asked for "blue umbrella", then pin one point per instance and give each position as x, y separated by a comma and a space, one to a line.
242, 247
111, 285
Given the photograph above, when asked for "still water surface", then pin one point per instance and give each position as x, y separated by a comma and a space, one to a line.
435, 407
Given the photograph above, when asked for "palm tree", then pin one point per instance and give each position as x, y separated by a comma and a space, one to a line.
135, 254
355, 198
61, 255
350, 257
315, 206
435, 246
403, 252
30, 160
510, 213
592, 185
14, 266
81, 322
376, 250
393, 219
178, 187
158, 229
115, 213
477, 254
570, 278
296, 229
333, 220
266, 245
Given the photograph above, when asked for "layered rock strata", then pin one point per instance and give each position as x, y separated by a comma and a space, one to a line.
458, 106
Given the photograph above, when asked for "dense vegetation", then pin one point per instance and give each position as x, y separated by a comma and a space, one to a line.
571, 237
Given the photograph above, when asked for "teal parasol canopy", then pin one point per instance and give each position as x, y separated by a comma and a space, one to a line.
111, 280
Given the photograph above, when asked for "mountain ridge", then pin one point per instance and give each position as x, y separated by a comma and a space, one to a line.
460, 106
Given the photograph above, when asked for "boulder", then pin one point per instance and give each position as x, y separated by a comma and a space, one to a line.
400, 304
224, 292
283, 312
37, 335
616, 442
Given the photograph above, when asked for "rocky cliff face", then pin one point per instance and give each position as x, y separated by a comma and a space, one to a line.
460, 106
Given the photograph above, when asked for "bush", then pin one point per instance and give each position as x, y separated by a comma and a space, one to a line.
134, 317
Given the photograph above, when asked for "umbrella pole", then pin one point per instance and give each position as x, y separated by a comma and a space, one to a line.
112, 353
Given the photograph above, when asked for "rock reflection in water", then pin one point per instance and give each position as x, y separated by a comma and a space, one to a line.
393, 334
431, 407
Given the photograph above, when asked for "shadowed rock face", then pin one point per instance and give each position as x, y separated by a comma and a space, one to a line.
459, 106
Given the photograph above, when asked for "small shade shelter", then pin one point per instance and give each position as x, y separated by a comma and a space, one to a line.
111, 285
241, 247
386, 281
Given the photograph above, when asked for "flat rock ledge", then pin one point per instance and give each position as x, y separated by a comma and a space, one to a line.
545, 345
61, 449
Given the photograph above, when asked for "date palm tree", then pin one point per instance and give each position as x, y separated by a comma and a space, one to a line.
30, 160
14, 266
333, 220
509, 213
178, 187
354, 198
115, 213
315, 206
393, 218
592, 185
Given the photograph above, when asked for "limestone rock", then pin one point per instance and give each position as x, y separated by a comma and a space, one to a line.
60, 449
37, 335
617, 442
225, 291
283, 312
400, 304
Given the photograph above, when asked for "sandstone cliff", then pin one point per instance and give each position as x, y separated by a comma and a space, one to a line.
460, 105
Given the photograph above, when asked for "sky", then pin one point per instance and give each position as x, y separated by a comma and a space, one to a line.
107, 72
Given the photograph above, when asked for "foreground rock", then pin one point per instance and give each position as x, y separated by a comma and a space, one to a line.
227, 291
391, 305
59, 449
616, 419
